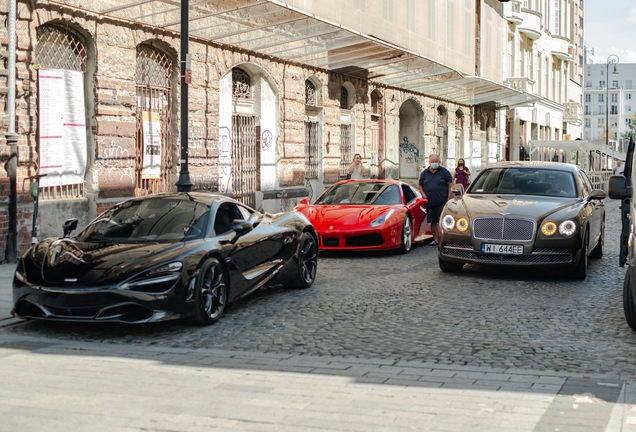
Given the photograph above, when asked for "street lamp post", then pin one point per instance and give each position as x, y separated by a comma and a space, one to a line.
611, 60
184, 184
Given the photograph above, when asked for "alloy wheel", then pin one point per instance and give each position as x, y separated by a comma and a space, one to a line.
308, 259
213, 291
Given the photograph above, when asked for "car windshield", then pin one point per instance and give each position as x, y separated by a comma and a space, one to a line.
163, 220
367, 193
525, 181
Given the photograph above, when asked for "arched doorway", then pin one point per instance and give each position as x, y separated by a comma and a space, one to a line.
247, 134
412, 152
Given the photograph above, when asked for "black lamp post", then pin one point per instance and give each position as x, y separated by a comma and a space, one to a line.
611, 60
184, 184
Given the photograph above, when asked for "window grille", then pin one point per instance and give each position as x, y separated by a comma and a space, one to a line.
345, 148
344, 98
310, 93
246, 161
311, 149
60, 48
153, 75
241, 84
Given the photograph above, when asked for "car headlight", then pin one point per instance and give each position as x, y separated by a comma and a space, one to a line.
159, 279
567, 228
462, 224
448, 222
380, 221
549, 228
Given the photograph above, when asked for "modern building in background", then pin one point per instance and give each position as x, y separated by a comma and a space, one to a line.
544, 58
610, 94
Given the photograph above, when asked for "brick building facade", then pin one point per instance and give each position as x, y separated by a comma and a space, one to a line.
265, 129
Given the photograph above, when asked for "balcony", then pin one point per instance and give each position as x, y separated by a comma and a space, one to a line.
572, 113
531, 24
513, 12
522, 84
561, 48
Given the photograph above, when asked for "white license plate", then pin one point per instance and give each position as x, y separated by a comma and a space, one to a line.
490, 248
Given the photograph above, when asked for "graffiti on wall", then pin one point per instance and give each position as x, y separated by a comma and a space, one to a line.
225, 160
117, 160
409, 159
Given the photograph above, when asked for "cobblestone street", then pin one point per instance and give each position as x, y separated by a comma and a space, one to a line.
403, 308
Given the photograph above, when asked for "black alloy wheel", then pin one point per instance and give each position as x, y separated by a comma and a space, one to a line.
628, 301
597, 252
580, 271
211, 293
301, 273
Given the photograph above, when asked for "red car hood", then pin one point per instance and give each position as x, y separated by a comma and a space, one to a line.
325, 217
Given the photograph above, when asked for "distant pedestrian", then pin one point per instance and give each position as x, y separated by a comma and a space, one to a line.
356, 168
460, 176
619, 169
435, 184
555, 157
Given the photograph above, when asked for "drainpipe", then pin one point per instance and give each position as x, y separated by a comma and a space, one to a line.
12, 141
184, 184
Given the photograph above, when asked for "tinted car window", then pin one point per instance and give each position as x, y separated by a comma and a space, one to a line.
409, 194
149, 220
225, 215
525, 181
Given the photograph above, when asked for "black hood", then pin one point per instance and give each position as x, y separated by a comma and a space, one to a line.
68, 262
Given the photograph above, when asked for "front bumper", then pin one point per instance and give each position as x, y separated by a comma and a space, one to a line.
465, 253
97, 304
382, 238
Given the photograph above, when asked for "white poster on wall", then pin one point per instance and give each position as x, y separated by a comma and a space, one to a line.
62, 127
152, 144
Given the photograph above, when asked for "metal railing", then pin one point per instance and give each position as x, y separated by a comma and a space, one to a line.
599, 179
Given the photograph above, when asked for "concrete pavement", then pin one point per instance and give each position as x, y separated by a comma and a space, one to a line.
56, 384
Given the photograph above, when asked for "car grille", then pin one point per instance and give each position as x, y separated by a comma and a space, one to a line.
497, 228
538, 256
331, 241
365, 240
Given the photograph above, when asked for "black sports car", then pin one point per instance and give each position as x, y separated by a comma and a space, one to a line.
167, 256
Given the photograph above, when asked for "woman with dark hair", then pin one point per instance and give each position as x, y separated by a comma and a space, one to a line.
460, 176
355, 169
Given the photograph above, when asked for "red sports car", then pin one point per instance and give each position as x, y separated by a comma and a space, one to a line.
368, 215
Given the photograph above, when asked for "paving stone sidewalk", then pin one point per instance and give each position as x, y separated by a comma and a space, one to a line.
51, 385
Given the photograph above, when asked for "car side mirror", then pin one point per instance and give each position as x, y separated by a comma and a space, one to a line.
597, 194
618, 187
304, 201
69, 226
240, 226
457, 190
422, 201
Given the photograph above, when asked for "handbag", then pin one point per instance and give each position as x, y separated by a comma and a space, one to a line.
348, 176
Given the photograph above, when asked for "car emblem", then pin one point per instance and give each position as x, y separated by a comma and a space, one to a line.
330, 227
504, 213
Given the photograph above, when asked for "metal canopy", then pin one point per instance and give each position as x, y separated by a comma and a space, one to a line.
272, 28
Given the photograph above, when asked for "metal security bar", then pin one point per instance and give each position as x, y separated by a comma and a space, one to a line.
311, 149
153, 73
345, 148
245, 159
60, 48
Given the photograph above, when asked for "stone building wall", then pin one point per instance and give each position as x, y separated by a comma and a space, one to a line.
112, 104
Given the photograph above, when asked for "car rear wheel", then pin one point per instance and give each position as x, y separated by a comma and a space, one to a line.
301, 272
407, 236
211, 293
580, 271
597, 252
628, 301
449, 266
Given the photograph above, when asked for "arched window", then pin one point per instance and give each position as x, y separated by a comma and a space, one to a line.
241, 84
310, 93
60, 48
153, 73
344, 98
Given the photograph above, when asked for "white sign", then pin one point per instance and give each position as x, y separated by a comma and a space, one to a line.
62, 127
152, 144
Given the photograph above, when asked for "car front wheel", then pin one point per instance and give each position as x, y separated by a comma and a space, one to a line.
628, 302
407, 236
580, 271
449, 266
211, 293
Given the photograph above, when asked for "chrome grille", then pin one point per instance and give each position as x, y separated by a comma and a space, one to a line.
503, 229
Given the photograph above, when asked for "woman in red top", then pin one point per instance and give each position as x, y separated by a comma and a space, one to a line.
460, 176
